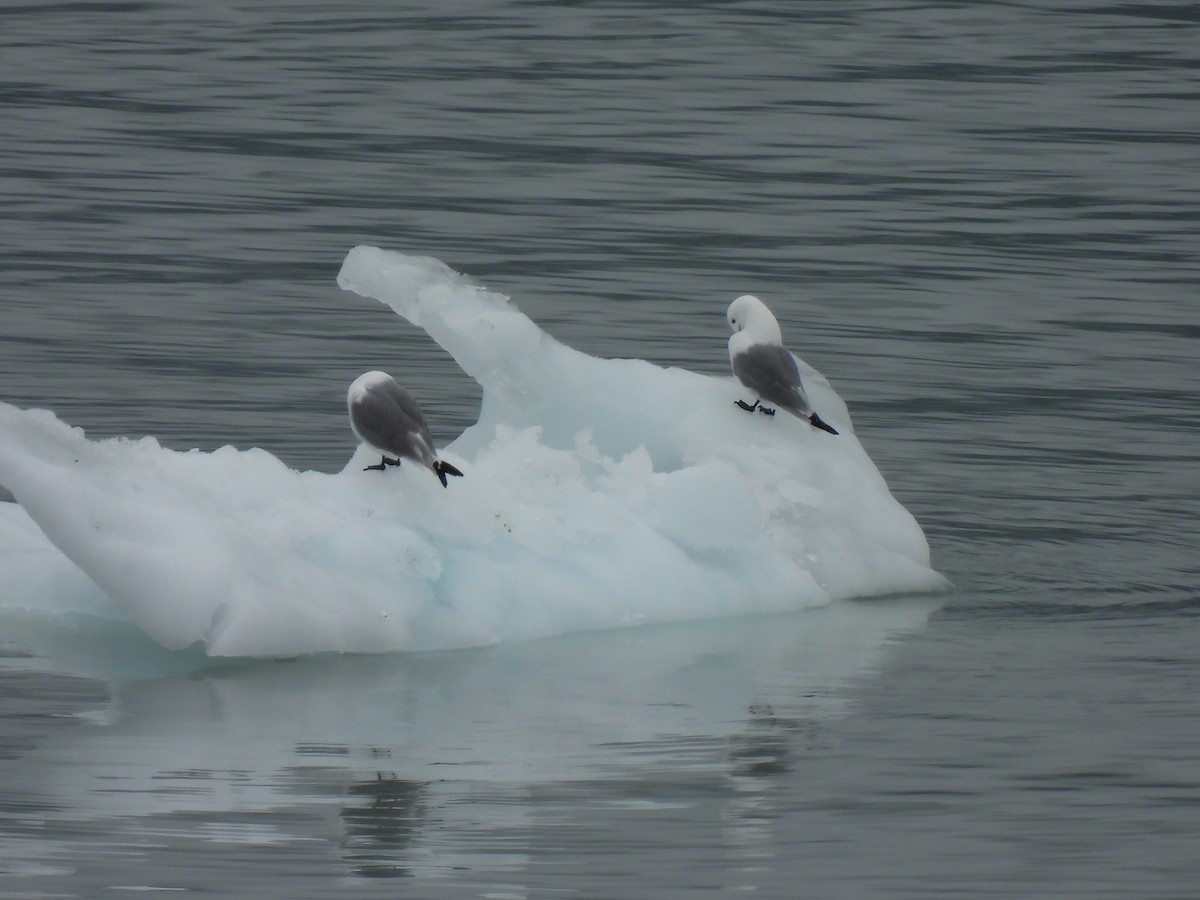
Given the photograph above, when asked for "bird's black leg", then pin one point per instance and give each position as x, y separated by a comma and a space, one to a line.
765, 411
748, 407
382, 464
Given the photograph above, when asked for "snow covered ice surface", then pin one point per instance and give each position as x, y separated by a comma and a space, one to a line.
597, 493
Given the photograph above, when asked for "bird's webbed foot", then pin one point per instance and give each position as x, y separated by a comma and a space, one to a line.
748, 407
765, 411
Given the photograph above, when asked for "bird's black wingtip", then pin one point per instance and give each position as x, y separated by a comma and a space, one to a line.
443, 468
818, 422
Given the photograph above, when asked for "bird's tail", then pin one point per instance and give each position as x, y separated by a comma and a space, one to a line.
443, 468
818, 422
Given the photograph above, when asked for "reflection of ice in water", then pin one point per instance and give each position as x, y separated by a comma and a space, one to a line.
598, 493
424, 766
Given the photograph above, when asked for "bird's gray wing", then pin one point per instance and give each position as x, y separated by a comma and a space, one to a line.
389, 418
771, 372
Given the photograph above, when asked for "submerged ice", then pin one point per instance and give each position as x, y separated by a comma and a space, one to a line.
602, 493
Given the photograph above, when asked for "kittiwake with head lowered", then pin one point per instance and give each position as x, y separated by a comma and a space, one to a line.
385, 416
764, 365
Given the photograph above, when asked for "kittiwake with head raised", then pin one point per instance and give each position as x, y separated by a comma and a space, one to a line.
386, 417
764, 365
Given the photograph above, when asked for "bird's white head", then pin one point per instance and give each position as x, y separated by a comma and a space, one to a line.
363, 384
749, 314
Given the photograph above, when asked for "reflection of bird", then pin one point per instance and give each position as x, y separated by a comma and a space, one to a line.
763, 364
383, 817
385, 416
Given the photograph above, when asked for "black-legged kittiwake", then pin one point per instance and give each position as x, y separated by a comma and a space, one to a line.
763, 364
385, 416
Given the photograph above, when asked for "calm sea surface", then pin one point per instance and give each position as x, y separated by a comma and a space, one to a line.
979, 220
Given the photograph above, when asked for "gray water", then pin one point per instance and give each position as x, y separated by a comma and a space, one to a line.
978, 220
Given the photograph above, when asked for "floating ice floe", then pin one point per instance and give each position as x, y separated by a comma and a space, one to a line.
598, 493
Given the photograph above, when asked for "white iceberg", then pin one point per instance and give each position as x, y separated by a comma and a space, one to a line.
597, 493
